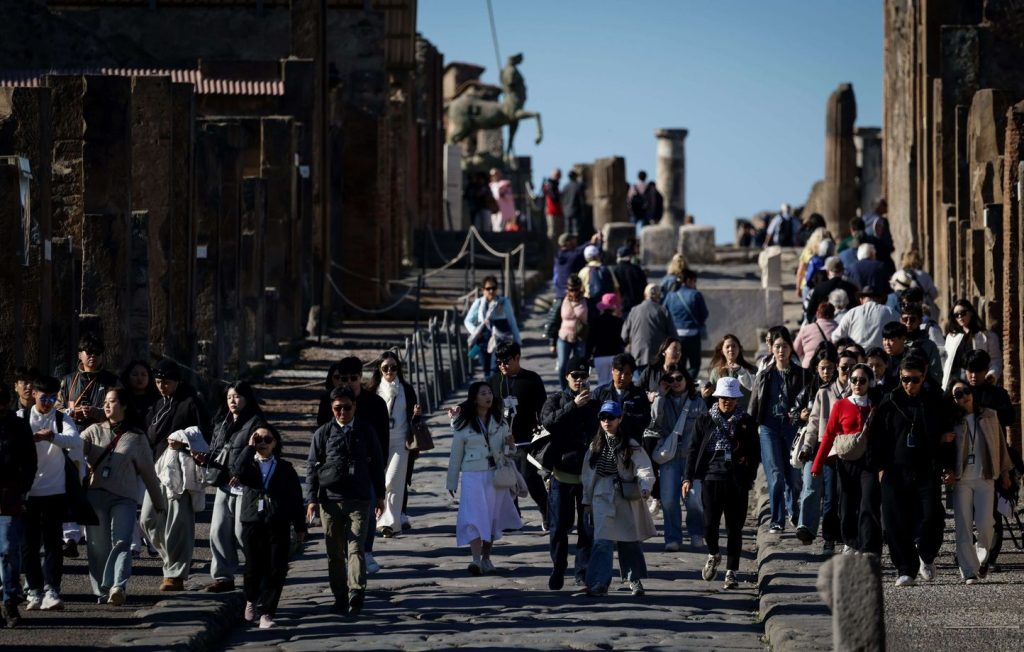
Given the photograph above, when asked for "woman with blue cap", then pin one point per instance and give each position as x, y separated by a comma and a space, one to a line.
617, 480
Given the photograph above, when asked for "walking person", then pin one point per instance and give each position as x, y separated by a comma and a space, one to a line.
17, 473
964, 333
572, 333
570, 416
631, 278
669, 356
553, 212
137, 378
675, 415
604, 340
859, 493
403, 410
119, 461
239, 420
568, 261
689, 315
728, 362
981, 460
617, 480
481, 440
724, 454
270, 507
47, 505
334, 379
810, 402
772, 404
646, 327
344, 469
490, 322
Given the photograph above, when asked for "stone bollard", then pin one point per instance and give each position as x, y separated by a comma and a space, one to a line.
615, 235
697, 244
770, 262
851, 586
657, 244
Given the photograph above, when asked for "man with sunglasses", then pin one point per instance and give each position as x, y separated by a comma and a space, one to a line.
82, 391
917, 340
910, 445
571, 418
373, 411
344, 483
17, 472
523, 396
636, 408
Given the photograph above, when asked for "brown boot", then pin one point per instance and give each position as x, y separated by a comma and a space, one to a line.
172, 584
220, 586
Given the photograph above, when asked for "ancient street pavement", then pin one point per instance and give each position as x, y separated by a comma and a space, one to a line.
424, 598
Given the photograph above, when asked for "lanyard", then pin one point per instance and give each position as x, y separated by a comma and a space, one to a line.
973, 433
269, 474
84, 390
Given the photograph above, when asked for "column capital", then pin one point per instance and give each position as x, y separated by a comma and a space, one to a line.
672, 134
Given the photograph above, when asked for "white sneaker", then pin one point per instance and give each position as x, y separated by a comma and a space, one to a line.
926, 572
486, 566
35, 600
971, 580
654, 506
52, 602
371, 564
905, 580
847, 550
711, 567
730, 580
266, 622
116, 596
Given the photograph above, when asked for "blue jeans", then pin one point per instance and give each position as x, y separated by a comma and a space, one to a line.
631, 562
565, 505
12, 530
783, 480
670, 480
816, 498
109, 544
565, 351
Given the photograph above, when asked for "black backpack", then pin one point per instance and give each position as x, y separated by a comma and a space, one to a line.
825, 347
638, 204
600, 283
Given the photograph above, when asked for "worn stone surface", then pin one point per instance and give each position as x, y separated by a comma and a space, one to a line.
657, 244
740, 309
278, 150
671, 174
770, 262
252, 270
840, 160
851, 585
868, 141
696, 242
616, 235
609, 183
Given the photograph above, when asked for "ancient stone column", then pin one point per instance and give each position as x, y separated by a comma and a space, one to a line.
609, 177
1013, 173
840, 160
671, 174
868, 141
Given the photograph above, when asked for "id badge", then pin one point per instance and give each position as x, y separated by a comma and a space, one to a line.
911, 440
391, 423
970, 458
236, 491
351, 468
105, 473
261, 506
728, 455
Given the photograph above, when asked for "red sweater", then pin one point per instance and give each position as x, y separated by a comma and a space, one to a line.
845, 419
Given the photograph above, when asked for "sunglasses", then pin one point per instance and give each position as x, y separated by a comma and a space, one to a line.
490, 288
505, 361
604, 416
344, 407
845, 367
92, 352
675, 378
50, 399
859, 380
264, 439
911, 380
960, 313
962, 392
579, 375
389, 367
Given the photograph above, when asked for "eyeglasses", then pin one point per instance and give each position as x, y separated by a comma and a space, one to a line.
958, 394
490, 288
48, 399
351, 377
388, 368
960, 313
911, 380
859, 380
675, 378
342, 407
845, 367
264, 439
604, 416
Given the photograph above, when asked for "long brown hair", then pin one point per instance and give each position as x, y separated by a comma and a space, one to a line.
624, 448
718, 359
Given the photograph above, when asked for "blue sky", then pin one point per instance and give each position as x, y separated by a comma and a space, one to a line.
749, 80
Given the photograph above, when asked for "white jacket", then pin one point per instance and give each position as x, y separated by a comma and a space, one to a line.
985, 340
179, 473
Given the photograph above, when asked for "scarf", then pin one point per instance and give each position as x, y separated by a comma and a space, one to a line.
725, 428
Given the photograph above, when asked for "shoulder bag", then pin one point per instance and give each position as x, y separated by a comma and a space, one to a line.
852, 447
419, 437
505, 473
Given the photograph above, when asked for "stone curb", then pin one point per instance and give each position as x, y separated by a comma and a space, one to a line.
792, 613
184, 623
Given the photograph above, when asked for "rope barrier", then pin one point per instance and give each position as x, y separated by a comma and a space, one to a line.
368, 311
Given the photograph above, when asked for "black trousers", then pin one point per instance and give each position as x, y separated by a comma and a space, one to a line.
565, 507
535, 484
267, 549
911, 508
729, 498
44, 518
859, 507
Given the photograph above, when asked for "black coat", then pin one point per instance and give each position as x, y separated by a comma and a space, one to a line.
759, 404
636, 409
746, 450
18, 463
632, 281
282, 497
330, 448
184, 410
821, 291
233, 434
373, 410
933, 417
572, 429
528, 388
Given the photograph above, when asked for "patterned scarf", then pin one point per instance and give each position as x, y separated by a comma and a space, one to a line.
725, 428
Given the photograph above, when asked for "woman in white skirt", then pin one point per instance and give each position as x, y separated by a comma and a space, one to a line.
403, 410
480, 441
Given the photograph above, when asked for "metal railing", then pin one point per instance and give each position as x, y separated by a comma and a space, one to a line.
437, 359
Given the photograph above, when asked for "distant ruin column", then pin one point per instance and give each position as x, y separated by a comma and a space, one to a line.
609, 177
671, 174
1013, 173
868, 141
840, 160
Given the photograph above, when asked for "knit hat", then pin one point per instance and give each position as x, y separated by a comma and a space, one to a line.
167, 370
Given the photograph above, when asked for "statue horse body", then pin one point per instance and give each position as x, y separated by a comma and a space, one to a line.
468, 113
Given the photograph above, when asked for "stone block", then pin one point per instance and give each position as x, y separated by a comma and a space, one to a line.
851, 586
106, 249
616, 235
252, 281
657, 244
739, 310
278, 150
697, 244
179, 339
770, 262
11, 306
609, 179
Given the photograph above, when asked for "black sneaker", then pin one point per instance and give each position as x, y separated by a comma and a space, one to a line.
355, 602
556, 581
805, 535
387, 532
828, 547
9, 615
339, 608
71, 550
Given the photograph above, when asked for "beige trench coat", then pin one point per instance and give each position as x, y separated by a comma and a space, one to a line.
615, 518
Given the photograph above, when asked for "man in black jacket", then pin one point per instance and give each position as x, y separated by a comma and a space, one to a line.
834, 269
910, 444
571, 418
373, 410
631, 277
636, 408
523, 395
82, 391
344, 470
178, 407
17, 472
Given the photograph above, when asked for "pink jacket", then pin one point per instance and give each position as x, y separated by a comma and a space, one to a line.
808, 338
572, 314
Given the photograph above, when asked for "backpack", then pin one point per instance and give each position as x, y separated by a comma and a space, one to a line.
599, 282
638, 204
784, 238
825, 347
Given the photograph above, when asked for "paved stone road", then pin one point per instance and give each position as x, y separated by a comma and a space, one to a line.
424, 598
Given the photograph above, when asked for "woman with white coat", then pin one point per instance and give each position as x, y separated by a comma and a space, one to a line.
480, 441
617, 480
965, 331
403, 411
